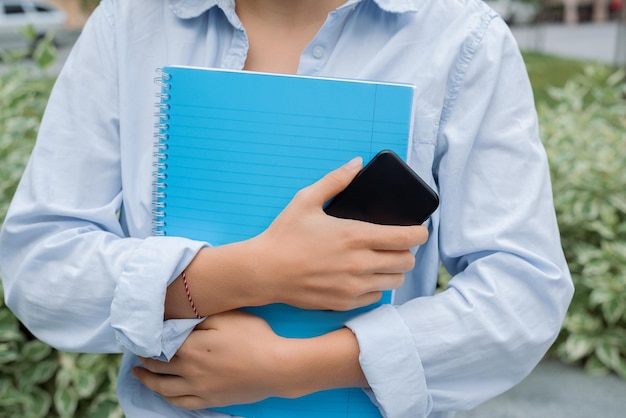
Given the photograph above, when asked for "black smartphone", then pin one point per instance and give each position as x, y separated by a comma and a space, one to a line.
386, 191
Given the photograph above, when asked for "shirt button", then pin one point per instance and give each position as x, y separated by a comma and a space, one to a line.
318, 51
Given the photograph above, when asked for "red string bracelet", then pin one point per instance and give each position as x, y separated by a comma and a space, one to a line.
193, 306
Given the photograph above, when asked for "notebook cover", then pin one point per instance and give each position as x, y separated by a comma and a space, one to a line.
232, 149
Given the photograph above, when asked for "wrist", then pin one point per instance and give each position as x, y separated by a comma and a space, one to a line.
218, 279
231, 272
330, 361
262, 271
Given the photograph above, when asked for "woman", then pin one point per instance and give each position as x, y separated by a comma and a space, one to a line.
82, 272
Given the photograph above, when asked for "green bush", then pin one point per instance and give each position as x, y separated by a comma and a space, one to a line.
584, 131
35, 380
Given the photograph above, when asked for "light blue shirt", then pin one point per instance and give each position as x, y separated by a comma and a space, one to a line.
81, 270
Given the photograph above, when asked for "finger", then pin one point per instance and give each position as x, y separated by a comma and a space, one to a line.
332, 183
369, 289
160, 367
376, 283
386, 261
365, 299
162, 385
387, 281
386, 237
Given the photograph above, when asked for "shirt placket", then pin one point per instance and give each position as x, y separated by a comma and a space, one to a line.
317, 53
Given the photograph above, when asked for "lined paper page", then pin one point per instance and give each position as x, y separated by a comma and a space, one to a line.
242, 144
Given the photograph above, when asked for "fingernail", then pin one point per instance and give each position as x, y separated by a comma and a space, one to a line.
354, 164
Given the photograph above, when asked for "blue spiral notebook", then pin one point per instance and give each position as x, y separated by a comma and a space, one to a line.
232, 149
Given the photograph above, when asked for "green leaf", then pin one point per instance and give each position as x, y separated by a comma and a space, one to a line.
614, 309
601, 228
34, 374
609, 355
595, 367
577, 346
45, 53
582, 322
600, 296
64, 377
10, 334
29, 32
616, 336
86, 384
9, 326
35, 350
12, 397
88, 361
597, 267
8, 354
68, 361
39, 404
105, 406
65, 402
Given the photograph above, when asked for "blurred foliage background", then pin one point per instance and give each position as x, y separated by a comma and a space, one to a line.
584, 130
35, 380
89, 4
582, 111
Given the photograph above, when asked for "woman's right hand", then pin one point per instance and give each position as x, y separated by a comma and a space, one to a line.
305, 258
311, 260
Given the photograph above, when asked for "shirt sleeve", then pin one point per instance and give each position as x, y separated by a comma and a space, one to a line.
71, 272
498, 238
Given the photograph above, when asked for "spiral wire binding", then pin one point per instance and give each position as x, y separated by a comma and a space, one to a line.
159, 154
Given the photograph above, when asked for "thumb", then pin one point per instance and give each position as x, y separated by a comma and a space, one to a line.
335, 181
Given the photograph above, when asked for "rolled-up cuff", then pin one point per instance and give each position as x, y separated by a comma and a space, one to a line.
139, 300
391, 363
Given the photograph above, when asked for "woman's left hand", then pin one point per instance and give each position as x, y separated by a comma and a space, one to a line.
230, 358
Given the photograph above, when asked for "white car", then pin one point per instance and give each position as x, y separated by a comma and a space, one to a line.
16, 15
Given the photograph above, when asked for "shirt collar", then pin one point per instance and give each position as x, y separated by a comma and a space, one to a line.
188, 9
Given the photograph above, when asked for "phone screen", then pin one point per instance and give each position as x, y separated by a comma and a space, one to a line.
386, 191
